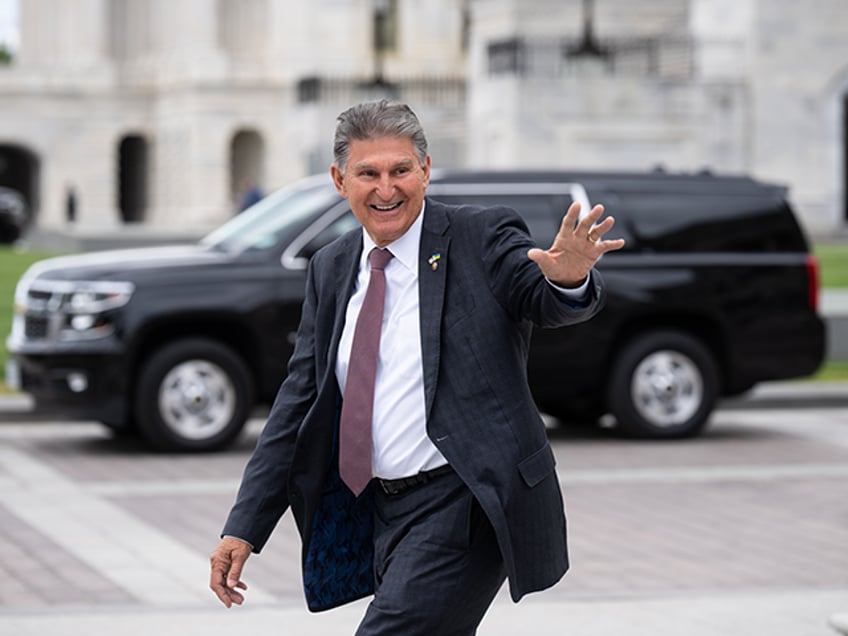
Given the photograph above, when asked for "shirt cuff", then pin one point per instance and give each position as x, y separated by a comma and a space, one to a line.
232, 536
574, 296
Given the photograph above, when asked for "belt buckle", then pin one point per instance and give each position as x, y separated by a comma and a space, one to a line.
393, 487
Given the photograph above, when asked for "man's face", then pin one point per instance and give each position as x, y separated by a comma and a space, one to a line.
384, 184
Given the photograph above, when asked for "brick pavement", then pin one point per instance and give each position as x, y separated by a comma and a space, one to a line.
743, 531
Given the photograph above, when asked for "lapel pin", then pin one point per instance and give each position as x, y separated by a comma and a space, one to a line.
434, 261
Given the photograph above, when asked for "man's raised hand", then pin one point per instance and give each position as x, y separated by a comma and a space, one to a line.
576, 248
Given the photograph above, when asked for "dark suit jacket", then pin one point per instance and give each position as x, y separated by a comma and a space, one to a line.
477, 313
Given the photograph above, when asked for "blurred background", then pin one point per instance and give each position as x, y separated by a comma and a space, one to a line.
157, 118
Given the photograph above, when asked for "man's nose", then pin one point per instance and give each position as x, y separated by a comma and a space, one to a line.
385, 187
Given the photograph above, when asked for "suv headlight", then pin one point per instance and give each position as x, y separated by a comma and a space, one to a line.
69, 310
94, 298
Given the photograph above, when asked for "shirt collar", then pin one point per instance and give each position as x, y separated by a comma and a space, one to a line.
405, 249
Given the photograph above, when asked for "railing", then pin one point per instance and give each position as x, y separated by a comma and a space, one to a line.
435, 91
539, 57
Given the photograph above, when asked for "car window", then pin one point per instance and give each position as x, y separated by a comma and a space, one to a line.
263, 225
542, 212
342, 225
669, 222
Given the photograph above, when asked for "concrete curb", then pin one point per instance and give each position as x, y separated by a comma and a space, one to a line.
769, 395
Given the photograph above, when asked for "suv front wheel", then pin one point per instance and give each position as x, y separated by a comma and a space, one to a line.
193, 395
664, 384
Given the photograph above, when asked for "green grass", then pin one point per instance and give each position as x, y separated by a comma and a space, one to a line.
832, 372
13, 263
833, 263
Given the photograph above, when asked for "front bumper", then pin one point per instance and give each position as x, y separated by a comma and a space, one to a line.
75, 387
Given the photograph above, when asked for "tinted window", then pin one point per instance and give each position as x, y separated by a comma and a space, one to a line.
542, 213
277, 215
679, 222
344, 224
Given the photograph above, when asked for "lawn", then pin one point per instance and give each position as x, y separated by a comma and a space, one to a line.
833, 260
13, 263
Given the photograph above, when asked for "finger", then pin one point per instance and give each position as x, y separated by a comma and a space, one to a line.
234, 574
569, 220
236, 597
588, 221
596, 232
217, 584
612, 245
226, 563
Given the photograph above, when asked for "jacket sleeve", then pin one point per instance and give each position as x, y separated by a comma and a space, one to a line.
262, 497
518, 283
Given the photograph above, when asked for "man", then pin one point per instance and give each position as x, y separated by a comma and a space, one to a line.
464, 493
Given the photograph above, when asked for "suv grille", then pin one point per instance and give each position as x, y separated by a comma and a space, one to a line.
35, 327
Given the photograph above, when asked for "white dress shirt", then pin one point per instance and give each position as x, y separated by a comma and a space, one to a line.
400, 444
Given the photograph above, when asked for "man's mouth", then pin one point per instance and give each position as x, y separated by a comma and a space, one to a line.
386, 208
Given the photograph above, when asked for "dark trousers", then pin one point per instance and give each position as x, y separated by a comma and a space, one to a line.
437, 563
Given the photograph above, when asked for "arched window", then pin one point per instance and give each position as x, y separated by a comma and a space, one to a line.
19, 170
247, 165
132, 178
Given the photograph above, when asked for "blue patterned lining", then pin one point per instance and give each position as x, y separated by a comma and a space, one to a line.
339, 563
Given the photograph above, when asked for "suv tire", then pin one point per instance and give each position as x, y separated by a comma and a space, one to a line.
193, 395
664, 384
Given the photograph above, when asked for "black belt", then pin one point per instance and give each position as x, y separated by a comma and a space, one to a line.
397, 486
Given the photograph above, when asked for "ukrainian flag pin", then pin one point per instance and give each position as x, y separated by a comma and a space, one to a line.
434, 261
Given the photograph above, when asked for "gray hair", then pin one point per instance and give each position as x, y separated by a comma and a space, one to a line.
373, 120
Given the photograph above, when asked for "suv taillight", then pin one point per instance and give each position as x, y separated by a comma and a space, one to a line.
813, 282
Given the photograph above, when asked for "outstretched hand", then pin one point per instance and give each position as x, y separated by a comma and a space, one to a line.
576, 248
227, 562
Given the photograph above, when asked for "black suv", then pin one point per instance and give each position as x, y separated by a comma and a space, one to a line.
715, 290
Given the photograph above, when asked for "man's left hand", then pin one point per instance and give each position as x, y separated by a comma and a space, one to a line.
577, 247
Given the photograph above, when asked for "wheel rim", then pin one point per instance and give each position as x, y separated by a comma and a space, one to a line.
197, 399
667, 389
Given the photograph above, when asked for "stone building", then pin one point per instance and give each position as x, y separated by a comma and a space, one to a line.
733, 86
154, 112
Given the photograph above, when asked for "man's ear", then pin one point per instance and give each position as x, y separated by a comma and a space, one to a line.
338, 180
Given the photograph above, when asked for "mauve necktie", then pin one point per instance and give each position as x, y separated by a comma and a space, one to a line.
358, 402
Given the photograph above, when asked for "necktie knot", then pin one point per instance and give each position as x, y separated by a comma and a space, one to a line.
379, 258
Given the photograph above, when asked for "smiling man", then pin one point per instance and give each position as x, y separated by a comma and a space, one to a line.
384, 181
405, 438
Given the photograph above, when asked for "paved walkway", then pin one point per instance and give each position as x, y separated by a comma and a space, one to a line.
794, 613
742, 532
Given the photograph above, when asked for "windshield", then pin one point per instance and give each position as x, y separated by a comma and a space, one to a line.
263, 224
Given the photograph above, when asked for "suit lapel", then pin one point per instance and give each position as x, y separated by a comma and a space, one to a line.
346, 269
431, 292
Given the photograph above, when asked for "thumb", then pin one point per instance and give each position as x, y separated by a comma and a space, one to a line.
238, 556
234, 574
535, 254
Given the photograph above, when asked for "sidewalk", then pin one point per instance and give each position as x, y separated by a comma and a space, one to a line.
739, 533
802, 613
834, 308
